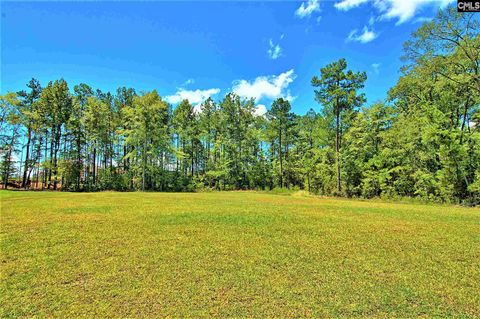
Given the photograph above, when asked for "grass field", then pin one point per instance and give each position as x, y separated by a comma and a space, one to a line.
235, 254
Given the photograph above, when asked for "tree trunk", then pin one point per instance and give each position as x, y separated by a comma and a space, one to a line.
8, 159
337, 147
308, 182
94, 164
51, 160
192, 156
79, 161
55, 161
44, 177
144, 163
27, 155
281, 160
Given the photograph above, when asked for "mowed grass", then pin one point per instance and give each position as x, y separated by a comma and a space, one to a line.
235, 254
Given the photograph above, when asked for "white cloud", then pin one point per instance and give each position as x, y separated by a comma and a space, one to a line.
271, 87
307, 8
364, 37
194, 97
376, 67
290, 98
275, 51
422, 20
402, 10
405, 10
260, 110
349, 4
197, 108
188, 82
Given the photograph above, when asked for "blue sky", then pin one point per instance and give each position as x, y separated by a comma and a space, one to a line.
199, 49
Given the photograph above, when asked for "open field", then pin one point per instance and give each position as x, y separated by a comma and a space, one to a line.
235, 254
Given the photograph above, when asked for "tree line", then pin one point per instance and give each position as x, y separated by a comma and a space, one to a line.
423, 141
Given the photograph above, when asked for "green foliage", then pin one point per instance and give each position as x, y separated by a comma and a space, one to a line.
423, 142
336, 90
10, 126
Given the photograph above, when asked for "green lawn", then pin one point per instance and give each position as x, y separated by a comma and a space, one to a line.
235, 254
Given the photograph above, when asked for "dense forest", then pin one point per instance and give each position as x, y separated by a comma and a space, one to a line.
423, 141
